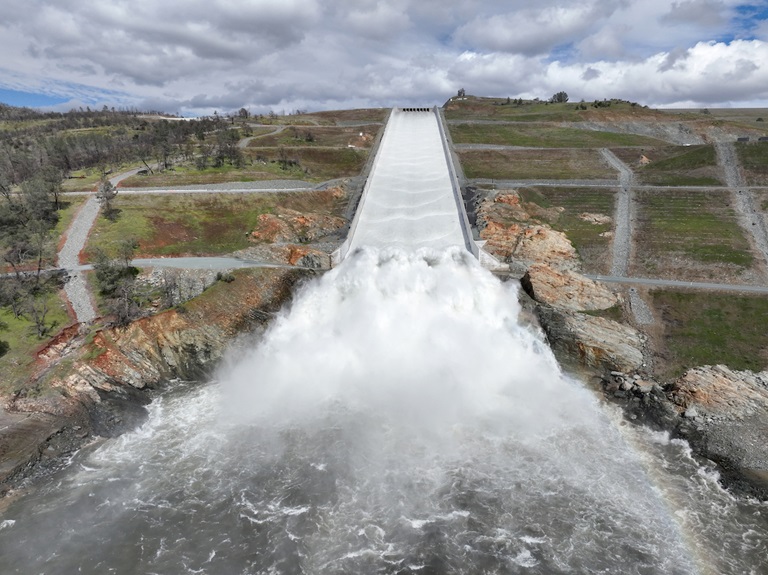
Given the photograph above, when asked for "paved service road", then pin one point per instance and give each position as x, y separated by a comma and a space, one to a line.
681, 284
195, 263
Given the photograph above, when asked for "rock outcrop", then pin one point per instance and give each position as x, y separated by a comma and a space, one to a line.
722, 413
506, 224
514, 232
725, 418
591, 341
722, 393
566, 289
99, 387
291, 226
529, 244
305, 256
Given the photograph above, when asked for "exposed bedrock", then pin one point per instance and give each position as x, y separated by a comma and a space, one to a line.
591, 341
567, 289
100, 387
722, 413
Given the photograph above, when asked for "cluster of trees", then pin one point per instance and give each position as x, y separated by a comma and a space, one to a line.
39, 150
27, 219
116, 280
126, 298
218, 150
559, 98
29, 146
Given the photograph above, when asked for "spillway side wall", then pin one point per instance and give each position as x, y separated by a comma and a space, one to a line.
341, 252
466, 229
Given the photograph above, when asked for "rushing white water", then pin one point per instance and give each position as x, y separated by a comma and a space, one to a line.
396, 419
409, 201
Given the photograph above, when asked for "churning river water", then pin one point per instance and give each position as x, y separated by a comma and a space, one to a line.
398, 419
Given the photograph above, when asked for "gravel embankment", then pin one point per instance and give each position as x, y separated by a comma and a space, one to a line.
749, 218
640, 310
622, 238
556, 183
674, 132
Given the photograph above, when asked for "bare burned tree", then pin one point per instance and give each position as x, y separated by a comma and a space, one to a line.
105, 194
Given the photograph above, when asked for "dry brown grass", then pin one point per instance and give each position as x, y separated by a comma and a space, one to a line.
362, 115
320, 136
545, 164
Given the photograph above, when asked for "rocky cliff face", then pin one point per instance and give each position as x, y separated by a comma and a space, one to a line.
562, 295
722, 413
510, 235
287, 225
725, 417
593, 342
99, 387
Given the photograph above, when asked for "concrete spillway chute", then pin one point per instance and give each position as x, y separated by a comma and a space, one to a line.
412, 197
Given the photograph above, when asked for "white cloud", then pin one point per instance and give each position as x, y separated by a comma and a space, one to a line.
285, 54
708, 13
534, 30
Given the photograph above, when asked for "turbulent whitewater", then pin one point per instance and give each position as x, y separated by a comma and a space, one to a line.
397, 418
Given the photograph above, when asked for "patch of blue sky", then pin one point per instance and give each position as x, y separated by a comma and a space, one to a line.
746, 17
753, 10
29, 99
36, 92
93, 95
564, 53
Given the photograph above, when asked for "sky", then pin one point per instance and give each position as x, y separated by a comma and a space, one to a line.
193, 58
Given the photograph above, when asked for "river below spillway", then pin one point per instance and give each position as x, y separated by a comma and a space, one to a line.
397, 418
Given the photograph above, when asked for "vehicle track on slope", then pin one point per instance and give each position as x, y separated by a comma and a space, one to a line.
749, 218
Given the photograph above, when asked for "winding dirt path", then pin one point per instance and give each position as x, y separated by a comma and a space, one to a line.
242, 144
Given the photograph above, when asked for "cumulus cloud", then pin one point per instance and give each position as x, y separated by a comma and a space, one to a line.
534, 31
266, 55
708, 13
590, 74
674, 58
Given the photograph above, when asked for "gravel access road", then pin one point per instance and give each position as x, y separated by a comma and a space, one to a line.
242, 144
76, 288
640, 310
